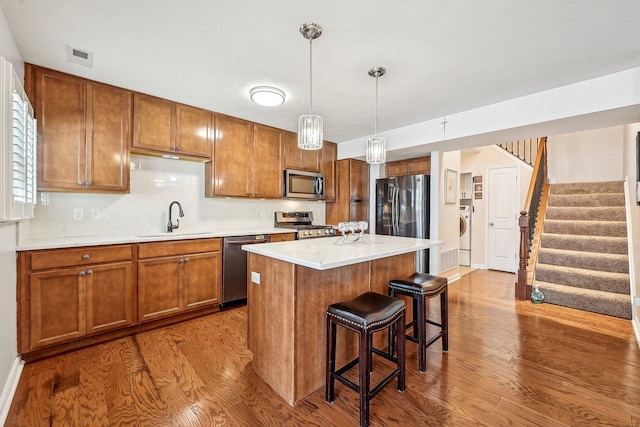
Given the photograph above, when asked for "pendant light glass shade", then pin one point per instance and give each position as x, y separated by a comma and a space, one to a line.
376, 150
376, 145
310, 133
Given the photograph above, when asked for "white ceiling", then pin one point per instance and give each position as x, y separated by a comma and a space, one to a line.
442, 57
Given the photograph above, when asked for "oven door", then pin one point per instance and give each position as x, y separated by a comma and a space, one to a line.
303, 185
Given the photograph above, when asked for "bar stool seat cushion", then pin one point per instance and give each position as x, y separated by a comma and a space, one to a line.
420, 283
367, 310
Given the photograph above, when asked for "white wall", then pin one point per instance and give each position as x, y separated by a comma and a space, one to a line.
9, 367
591, 156
155, 183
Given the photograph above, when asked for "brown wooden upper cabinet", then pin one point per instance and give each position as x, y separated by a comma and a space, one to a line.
166, 127
420, 165
352, 192
84, 132
328, 168
296, 158
247, 160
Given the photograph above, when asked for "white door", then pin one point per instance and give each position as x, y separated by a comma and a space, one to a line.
502, 202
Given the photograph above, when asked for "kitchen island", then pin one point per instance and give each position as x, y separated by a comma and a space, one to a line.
290, 285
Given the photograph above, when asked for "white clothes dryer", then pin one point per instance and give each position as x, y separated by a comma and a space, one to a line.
465, 235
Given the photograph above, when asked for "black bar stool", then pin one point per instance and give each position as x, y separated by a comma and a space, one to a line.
368, 313
420, 287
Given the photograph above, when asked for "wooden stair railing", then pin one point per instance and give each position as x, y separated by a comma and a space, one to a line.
530, 227
524, 150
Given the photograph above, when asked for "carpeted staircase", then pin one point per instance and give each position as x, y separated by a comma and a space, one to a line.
583, 261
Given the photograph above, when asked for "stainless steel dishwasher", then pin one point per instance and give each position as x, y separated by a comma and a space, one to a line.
234, 268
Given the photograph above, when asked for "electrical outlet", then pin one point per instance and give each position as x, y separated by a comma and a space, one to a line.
255, 277
95, 213
263, 213
78, 214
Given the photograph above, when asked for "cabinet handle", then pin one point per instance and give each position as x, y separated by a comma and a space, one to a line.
88, 184
186, 260
181, 260
89, 272
81, 274
85, 256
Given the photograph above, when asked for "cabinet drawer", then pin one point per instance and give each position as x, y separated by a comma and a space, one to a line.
41, 260
159, 249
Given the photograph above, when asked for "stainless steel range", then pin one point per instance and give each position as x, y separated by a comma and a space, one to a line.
302, 221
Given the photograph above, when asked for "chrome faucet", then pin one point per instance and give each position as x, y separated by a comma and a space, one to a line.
170, 226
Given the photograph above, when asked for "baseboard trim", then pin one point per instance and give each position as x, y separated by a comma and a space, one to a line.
9, 389
636, 328
454, 278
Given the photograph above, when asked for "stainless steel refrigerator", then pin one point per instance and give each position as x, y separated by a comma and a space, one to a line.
402, 209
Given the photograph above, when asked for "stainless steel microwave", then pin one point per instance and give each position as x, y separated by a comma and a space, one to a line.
303, 185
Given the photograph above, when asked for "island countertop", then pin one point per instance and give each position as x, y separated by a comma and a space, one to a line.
323, 253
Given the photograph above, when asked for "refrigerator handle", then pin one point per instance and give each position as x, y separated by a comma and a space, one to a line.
396, 202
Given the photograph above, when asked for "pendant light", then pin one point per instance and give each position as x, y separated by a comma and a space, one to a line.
310, 125
376, 150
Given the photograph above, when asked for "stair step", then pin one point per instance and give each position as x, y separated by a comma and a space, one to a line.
583, 200
583, 278
570, 242
588, 187
586, 228
599, 213
608, 303
613, 263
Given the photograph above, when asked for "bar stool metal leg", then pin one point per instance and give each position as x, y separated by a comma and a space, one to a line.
331, 360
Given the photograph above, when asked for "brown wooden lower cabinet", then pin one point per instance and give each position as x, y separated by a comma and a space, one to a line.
73, 297
178, 276
63, 304
284, 237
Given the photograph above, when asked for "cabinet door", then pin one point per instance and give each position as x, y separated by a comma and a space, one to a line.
108, 137
193, 131
329, 155
399, 168
267, 162
109, 296
60, 112
295, 158
359, 179
202, 278
359, 211
292, 154
56, 306
420, 165
159, 292
154, 123
231, 158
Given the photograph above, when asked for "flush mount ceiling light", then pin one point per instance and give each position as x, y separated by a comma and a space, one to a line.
376, 151
310, 125
267, 96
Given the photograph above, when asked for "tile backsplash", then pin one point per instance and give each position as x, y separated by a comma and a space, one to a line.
155, 183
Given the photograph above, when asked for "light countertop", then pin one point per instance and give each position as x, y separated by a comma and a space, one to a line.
323, 253
55, 242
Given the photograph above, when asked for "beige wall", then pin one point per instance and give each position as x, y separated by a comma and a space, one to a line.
590, 156
478, 161
630, 172
448, 214
9, 367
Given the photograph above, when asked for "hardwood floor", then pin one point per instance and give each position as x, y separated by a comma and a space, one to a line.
509, 363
